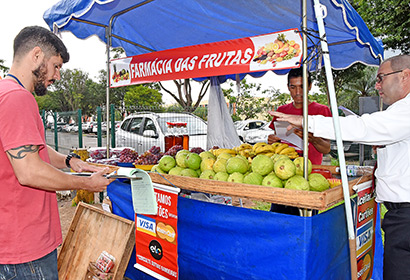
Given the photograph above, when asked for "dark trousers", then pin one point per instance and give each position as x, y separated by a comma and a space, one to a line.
396, 260
284, 209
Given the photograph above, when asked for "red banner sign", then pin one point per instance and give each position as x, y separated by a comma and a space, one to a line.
156, 236
280, 50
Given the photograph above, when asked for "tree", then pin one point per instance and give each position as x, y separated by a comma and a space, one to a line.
351, 83
184, 96
71, 90
388, 20
3, 68
142, 96
247, 104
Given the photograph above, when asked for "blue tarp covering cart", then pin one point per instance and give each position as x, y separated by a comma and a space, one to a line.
224, 242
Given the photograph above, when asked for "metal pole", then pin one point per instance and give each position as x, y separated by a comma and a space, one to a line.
55, 132
80, 129
305, 212
335, 113
107, 107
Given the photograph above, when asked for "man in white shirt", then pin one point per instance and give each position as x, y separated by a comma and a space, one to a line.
389, 130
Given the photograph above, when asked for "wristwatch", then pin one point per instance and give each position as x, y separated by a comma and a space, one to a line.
69, 157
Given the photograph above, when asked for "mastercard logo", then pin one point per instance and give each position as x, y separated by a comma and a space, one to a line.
364, 267
166, 232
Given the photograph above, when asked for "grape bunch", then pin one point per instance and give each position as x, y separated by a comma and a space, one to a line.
96, 155
128, 155
197, 150
99, 154
174, 150
154, 150
215, 147
150, 157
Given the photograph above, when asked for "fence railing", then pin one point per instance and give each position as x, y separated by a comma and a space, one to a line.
67, 131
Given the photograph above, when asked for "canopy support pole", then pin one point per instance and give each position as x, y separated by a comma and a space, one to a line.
107, 107
320, 14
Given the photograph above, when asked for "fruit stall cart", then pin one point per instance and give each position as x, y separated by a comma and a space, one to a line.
217, 241
347, 40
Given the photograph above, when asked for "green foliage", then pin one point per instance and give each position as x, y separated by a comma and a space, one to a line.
350, 84
142, 96
202, 112
247, 105
319, 98
388, 20
3, 68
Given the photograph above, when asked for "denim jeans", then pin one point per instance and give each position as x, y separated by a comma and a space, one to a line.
44, 268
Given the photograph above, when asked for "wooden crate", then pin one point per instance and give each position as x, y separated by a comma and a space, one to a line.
92, 231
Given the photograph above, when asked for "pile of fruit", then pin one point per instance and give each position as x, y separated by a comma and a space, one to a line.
276, 165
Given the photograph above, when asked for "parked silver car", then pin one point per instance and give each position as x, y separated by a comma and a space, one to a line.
259, 135
144, 130
247, 126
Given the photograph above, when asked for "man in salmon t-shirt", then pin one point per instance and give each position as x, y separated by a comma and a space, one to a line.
317, 146
30, 230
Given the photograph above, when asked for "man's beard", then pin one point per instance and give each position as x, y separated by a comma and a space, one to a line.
39, 86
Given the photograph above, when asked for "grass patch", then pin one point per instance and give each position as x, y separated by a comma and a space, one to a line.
260, 205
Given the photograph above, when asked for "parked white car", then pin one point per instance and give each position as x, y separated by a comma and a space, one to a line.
144, 130
259, 135
247, 126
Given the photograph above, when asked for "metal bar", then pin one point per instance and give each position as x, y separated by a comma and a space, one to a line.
55, 132
335, 113
80, 129
99, 136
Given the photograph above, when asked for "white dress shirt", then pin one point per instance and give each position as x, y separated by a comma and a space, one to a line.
389, 128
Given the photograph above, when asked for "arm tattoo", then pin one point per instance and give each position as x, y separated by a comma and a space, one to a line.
21, 152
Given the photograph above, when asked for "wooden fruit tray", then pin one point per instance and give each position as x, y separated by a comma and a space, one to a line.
301, 199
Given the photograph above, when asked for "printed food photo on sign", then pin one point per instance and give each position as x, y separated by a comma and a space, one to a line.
276, 51
120, 73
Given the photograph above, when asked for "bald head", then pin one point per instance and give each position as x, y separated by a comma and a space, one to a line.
399, 62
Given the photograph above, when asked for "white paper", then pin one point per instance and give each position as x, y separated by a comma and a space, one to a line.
281, 131
346, 111
142, 190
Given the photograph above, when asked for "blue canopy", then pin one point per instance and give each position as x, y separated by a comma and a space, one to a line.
154, 25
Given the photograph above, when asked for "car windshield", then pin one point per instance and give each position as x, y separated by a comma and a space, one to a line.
196, 126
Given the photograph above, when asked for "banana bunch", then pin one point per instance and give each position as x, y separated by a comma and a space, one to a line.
263, 148
284, 149
217, 152
244, 149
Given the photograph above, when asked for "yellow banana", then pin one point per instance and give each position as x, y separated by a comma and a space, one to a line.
245, 146
217, 152
293, 155
269, 154
280, 147
287, 150
274, 145
257, 145
264, 149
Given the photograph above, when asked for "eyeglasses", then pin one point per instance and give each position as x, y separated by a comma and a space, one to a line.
379, 78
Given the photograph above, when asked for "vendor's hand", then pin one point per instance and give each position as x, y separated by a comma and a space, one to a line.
299, 132
294, 120
273, 139
81, 166
98, 182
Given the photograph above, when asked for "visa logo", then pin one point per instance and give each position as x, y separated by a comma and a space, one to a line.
145, 224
